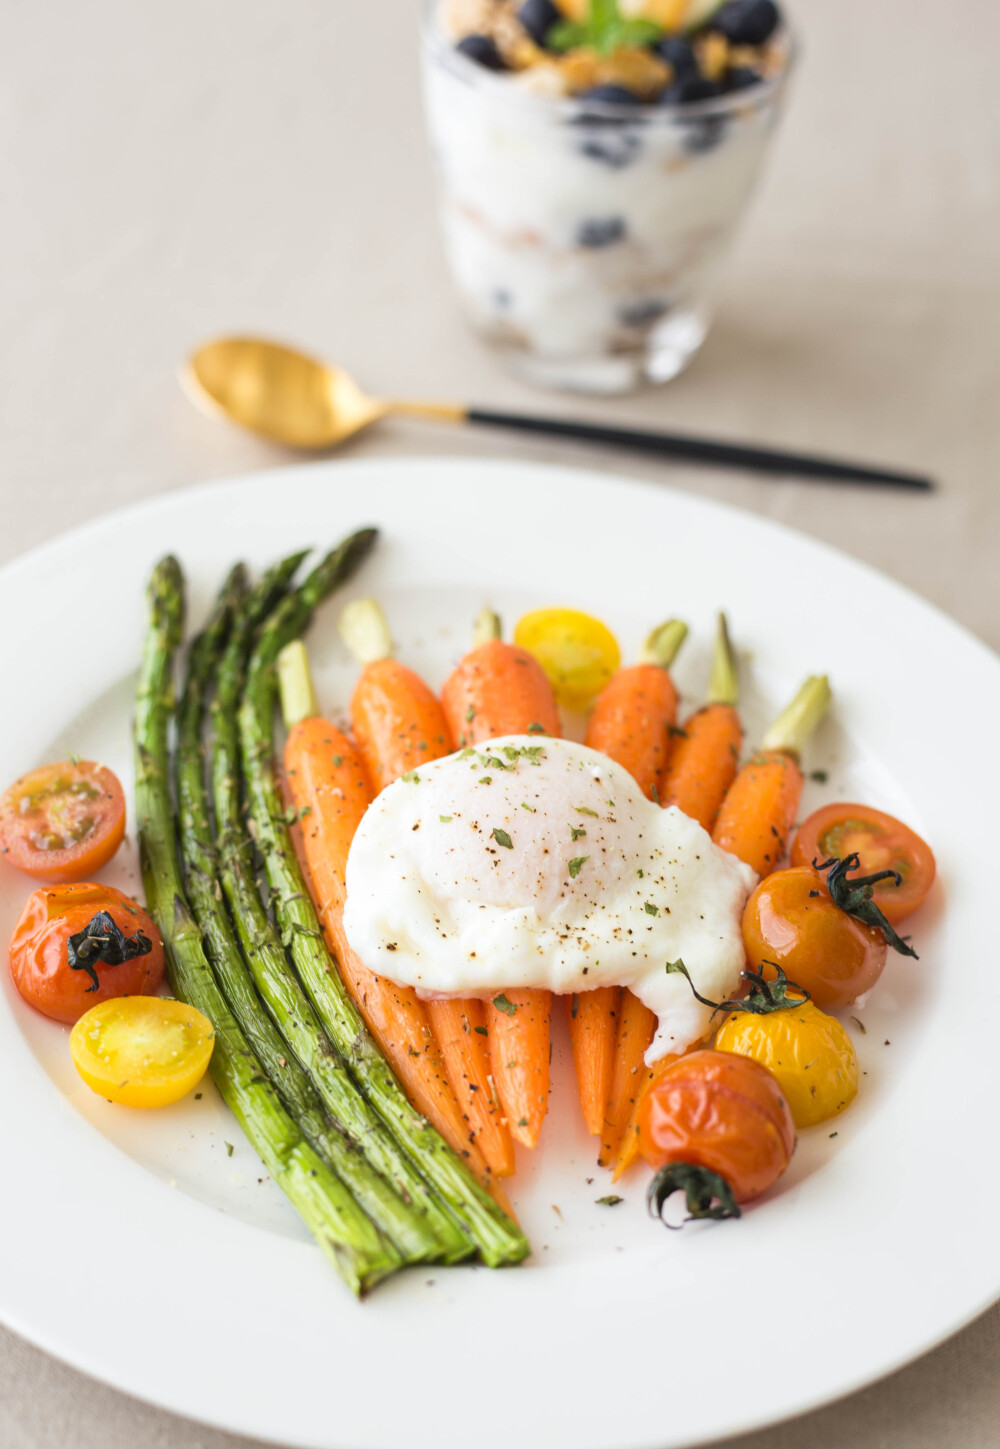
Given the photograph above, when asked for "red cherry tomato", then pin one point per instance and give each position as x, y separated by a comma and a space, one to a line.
115, 949
790, 919
62, 822
882, 842
720, 1112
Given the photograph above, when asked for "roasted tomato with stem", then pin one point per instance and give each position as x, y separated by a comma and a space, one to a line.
717, 1127
578, 653
62, 822
808, 1052
822, 928
881, 842
142, 1051
77, 945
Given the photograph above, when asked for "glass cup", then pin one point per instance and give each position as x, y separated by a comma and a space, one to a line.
586, 239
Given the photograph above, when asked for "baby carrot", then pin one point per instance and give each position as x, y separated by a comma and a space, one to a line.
499, 689
635, 712
706, 753
758, 811
331, 791
636, 1027
461, 1032
632, 723
518, 1024
593, 1019
628, 1149
399, 724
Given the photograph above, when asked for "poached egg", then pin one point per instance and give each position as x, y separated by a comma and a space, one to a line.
537, 862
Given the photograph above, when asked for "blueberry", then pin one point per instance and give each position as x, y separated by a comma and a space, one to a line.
616, 149
679, 54
691, 88
643, 313
601, 232
746, 22
538, 18
612, 96
611, 145
740, 77
482, 49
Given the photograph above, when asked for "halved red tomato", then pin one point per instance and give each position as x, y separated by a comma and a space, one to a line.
881, 841
62, 822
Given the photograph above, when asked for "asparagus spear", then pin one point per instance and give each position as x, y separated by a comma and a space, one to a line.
399, 1222
353, 1244
431, 1229
497, 1238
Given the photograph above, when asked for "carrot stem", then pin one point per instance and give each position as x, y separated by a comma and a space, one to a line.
724, 683
663, 643
298, 698
797, 720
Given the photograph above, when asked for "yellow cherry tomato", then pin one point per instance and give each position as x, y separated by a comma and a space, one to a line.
808, 1051
142, 1051
578, 653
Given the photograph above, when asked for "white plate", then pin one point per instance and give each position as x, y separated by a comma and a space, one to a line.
132, 1246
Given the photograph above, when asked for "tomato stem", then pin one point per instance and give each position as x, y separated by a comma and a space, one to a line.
854, 897
701, 1188
764, 995
103, 940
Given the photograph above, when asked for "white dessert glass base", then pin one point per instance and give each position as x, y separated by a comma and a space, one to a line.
586, 239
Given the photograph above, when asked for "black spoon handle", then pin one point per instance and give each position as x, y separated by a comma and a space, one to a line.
703, 450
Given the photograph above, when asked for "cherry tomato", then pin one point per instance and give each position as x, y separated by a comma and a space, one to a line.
62, 822
578, 653
62, 970
791, 920
882, 842
722, 1112
142, 1051
809, 1053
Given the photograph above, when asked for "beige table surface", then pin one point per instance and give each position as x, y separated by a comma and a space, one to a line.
176, 170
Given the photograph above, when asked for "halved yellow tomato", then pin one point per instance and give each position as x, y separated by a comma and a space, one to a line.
578, 653
142, 1051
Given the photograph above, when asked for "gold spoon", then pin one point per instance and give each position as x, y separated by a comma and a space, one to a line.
300, 402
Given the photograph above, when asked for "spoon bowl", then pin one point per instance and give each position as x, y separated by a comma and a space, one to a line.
280, 393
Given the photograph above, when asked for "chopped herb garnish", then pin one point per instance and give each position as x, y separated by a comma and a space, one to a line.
486, 780
642, 875
305, 812
411, 777
582, 810
526, 806
651, 910
481, 1030
503, 1003
576, 831
75, 759
445, 819
502, 838
229, 1149
821, 777
610, 1201
338, 760
576, 865
522, 1121
536, 729
470, 714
